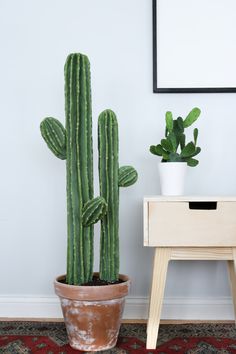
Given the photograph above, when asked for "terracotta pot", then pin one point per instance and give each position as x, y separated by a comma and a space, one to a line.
92, 314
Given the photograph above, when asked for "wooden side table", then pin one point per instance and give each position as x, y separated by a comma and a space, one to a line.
187, 228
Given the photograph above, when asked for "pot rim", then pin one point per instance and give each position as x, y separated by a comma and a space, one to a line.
92, 293
173, 162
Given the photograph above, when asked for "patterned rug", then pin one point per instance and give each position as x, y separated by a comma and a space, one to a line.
50, 338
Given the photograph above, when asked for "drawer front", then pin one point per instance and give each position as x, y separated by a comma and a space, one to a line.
175, 224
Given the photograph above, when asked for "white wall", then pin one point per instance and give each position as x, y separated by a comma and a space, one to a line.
35, 38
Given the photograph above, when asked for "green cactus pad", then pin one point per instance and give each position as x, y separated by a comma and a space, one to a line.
174, 157
188, 150
54, 135
167, 145
196, 152
182, 139
127, 176
192, 162
94, 210
173, 140
195, 135
169, 121
192, 117
156, 149
179, 126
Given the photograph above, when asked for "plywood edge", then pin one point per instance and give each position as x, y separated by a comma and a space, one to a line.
186, 198
145, 224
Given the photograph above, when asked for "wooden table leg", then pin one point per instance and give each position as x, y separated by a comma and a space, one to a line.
232, 276
161, 259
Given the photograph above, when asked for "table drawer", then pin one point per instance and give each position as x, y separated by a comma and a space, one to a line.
191, 224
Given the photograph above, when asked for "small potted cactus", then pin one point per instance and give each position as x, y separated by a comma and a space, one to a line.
92, 303
176, 153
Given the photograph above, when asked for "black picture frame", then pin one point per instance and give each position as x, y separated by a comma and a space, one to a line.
156, 87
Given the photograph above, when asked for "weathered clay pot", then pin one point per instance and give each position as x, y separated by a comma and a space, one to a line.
92, 314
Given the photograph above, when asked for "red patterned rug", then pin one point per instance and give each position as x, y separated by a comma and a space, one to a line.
50, 338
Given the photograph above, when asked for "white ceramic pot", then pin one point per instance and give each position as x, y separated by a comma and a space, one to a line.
172, 177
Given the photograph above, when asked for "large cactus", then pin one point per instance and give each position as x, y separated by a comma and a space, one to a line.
74, 143
111, 178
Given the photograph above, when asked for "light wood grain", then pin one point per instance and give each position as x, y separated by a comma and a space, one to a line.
186, 198
202, 253
180, 233
232, 277
145, 224
160, 265
174, 224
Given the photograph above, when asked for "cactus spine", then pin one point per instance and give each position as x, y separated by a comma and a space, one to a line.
74, 143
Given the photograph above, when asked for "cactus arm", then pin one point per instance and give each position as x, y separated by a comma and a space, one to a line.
54, 135
104, 239
109, 190
127, 176
111, 177
93, 211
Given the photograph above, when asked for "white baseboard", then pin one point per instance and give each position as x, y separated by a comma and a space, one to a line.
180, 308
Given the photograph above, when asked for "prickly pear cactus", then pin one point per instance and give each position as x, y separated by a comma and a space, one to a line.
74, 143
173, 147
